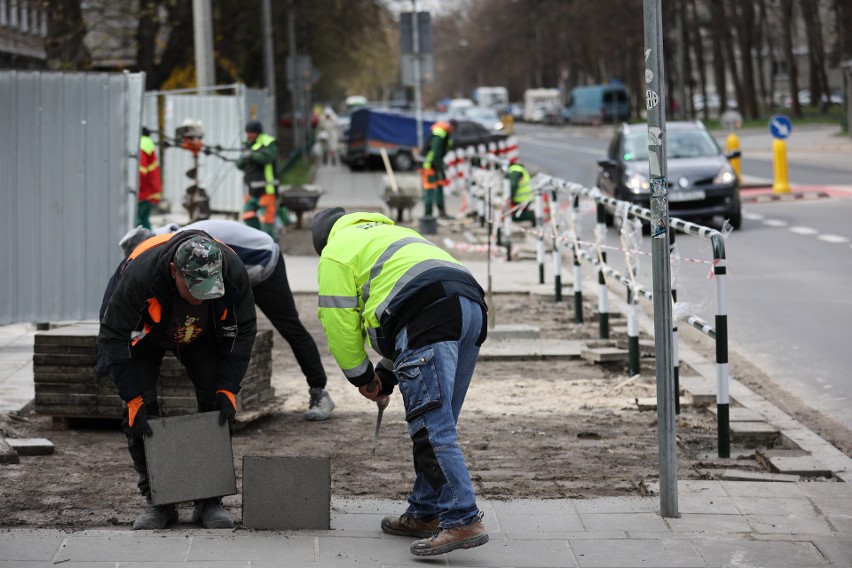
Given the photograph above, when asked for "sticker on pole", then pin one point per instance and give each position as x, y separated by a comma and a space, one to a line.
780, 126
652, 99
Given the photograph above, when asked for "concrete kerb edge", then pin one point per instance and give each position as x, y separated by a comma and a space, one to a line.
836, 461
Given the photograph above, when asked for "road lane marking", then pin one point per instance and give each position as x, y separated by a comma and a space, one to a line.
775, 222
803, 230
752, 216
833, 238
579, 149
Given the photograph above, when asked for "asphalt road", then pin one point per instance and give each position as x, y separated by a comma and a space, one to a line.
790, 310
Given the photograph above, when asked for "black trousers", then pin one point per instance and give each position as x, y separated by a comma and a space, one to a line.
199, 360
274, 298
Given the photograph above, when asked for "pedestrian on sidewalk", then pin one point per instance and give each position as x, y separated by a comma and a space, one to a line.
268, 279
258, 165
187, 294
329, 136
425, 314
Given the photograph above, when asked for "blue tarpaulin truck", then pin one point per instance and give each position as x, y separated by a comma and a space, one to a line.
371, 129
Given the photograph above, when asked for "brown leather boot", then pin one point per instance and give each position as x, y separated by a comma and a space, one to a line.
445, 540
409, 526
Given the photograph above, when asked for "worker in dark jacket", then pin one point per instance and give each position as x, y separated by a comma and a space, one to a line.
188, 294
424, 313
268, 278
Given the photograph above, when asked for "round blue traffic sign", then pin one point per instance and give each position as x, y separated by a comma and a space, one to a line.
780, 126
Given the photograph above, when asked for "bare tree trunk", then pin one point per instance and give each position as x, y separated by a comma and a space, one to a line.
763, 43
65, 32
787, 32
816, 54
728, 42
178, 49
717, 19
746, 25
843, 24
699, 57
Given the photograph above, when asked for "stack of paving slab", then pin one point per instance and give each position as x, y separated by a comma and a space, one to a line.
66, 385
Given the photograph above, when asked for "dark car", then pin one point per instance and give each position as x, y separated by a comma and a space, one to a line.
470, 133
701, 182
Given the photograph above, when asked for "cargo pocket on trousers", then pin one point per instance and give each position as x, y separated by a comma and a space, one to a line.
418, 383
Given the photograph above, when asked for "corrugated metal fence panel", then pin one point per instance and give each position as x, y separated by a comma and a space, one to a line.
66, 147
221, 118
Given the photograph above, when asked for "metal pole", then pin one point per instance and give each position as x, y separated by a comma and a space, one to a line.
539, 227
655, 97
294, 78
269, 61
578, 272
202, 23
415, 38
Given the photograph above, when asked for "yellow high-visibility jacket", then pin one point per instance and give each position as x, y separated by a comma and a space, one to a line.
369, 270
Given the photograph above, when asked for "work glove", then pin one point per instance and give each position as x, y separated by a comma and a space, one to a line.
137, 418
227, 408
387, 378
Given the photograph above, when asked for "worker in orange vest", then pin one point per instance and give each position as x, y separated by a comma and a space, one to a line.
434, 178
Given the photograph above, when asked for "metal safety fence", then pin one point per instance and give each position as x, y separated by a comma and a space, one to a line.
557, 220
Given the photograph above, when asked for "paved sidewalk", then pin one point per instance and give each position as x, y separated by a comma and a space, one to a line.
739, 524
721, 523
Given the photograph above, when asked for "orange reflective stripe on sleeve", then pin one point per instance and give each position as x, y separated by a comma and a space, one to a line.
224, 314
150, 243
155, 310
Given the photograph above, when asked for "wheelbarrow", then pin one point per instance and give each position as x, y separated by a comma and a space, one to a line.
300, 198
405, 197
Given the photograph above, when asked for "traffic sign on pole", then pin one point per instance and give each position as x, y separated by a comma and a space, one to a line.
780, 126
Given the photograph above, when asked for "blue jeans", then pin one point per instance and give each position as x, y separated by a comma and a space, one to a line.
433, 381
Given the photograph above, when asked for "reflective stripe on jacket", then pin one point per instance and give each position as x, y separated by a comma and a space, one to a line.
264, 140
366, 265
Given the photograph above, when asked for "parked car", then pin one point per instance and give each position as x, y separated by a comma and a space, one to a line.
701, 181
597, 104
487, 117
713, 103
833, 98
470, 133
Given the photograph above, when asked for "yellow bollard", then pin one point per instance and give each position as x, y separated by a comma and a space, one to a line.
508, 123
733, 144
779, 161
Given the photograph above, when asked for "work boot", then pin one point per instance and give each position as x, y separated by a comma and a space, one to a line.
404, 525
320, 405
212, 515
155, 517
442, 213
445, 540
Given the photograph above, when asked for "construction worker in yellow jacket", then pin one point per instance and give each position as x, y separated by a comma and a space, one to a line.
424, 313
521, 193
434, 178
258, 163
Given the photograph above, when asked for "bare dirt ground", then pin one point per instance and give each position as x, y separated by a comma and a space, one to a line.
529, 429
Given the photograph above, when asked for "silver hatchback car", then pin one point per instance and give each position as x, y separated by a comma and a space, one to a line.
701, 182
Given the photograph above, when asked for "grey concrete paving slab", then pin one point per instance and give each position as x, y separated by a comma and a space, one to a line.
775, 506
160, 546
29, 545
253, 546
790, 524
517, 554
207, 563
40, 564
345, 550
618, 505
189, 457
647, 522
843, 525
688, 504
508, 332
527, 349
366, 523
31, 446
757, 489
520, 526
826, 490
286, 493
709, 524
836, 550
694, 487
774, 554
636, 553
534, 507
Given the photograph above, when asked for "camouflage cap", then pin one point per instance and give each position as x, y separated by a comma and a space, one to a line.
200, 261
